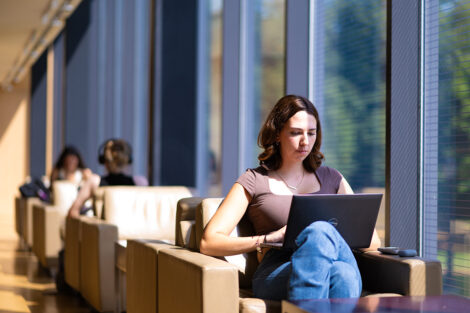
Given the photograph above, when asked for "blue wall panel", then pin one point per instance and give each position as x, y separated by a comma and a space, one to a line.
38, 117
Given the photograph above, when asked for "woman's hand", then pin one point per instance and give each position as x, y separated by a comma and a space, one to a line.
276, 236
87, 173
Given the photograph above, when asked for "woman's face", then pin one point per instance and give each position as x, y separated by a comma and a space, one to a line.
298, 136
70, 163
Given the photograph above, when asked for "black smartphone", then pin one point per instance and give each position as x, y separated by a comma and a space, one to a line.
389, 250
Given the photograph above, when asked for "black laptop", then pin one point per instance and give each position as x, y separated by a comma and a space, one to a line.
354, 216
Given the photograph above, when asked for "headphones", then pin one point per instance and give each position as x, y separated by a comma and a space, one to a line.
125, 147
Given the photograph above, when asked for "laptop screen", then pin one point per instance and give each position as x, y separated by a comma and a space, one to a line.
354, 216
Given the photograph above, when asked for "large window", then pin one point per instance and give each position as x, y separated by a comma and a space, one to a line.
446, 140
210, 88
265, 67
349, 90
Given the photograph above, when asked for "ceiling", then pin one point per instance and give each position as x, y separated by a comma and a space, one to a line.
18, 20
27, 28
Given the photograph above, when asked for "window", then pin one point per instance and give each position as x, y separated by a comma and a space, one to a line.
349, 90
265, 67
210, 88
446, 138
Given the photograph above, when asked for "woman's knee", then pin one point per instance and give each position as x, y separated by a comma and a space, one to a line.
316, 231
321, 226
346, 278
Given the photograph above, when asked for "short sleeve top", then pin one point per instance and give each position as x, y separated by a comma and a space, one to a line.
267, 211
77, 176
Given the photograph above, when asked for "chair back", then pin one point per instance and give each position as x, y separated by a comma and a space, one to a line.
185, 235
145, 212
64, 194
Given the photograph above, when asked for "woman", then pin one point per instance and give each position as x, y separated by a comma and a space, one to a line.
323, 265
70, 167
115, 154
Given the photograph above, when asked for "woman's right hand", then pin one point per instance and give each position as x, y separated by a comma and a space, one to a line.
276, 236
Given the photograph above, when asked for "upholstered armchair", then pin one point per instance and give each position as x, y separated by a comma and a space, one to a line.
49, 221
192, 282
24, 219
128, 212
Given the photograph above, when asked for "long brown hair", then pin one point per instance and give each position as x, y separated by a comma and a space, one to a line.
284, 109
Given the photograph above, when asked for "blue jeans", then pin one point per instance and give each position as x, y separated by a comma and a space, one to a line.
322, 266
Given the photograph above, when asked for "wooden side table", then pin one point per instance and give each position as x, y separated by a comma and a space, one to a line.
424, 304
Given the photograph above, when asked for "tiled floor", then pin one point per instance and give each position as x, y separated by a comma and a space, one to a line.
26, 287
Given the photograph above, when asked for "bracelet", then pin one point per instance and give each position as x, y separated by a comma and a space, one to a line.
258, 248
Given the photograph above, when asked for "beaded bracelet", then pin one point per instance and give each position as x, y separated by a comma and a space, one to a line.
258, 248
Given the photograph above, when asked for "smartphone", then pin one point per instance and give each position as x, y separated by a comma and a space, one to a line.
389, 250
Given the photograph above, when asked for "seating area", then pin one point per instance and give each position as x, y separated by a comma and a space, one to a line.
153, 151
141, 254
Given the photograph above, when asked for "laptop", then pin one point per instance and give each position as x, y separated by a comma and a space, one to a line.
354, 216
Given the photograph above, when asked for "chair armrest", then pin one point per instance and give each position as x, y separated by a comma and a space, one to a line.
97, 263
72, 250
192, 282
47, 221
393, 274
142, 274
18, 216
27, 219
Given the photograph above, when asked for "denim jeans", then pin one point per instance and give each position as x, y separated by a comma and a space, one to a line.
322, 266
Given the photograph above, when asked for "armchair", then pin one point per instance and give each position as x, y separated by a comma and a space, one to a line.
128, 212
49, 220
24, 219
179, 268
142, 259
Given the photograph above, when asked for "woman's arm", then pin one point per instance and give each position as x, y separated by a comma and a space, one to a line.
216, 239
86, 191
344, 188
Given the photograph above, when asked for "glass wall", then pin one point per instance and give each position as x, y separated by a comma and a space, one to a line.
446, 140
349, 90
214, 104
265, 65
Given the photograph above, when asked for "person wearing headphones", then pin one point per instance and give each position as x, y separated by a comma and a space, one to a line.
115, 155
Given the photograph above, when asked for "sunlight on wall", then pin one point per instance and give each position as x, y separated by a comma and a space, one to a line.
14, 162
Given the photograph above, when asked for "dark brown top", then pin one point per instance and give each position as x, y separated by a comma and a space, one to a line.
267, 211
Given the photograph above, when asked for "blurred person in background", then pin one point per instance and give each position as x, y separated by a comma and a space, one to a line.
115, 155
70, 167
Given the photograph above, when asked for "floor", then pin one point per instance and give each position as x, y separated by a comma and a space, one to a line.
25, 286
